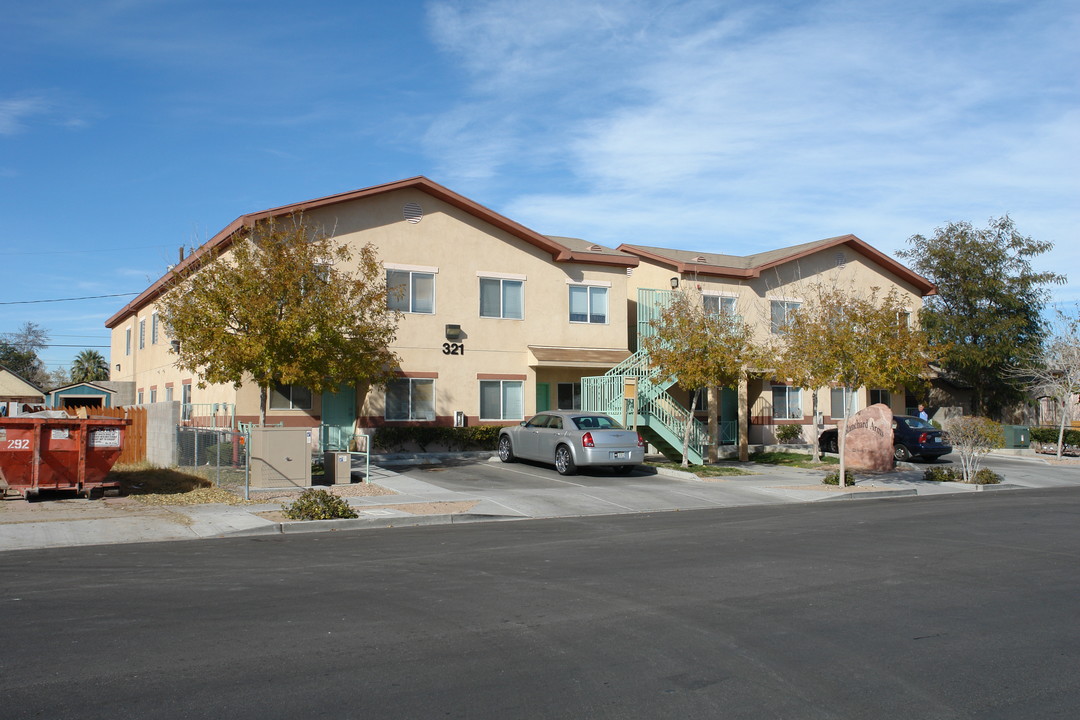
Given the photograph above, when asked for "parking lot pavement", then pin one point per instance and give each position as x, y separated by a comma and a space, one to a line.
536, 490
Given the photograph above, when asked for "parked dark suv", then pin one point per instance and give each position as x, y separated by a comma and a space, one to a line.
912, 437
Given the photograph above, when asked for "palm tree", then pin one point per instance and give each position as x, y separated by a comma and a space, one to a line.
89, 365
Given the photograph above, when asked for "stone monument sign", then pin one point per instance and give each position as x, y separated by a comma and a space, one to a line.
868, 439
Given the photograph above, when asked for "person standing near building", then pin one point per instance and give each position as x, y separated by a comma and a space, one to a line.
922, 412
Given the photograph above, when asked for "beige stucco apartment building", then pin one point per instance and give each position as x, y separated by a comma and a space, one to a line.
499, 321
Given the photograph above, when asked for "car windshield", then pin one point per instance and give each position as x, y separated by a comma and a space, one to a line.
918, 424
596, 422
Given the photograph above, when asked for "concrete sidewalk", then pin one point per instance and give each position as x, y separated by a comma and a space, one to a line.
71, 522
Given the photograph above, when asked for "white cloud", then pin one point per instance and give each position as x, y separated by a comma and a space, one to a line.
739, 129
16, 112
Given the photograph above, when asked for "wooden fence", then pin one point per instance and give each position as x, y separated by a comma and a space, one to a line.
134, 449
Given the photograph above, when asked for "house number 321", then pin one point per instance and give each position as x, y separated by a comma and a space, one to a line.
453, 348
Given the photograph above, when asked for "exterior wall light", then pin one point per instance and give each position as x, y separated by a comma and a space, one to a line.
453, 332
674, 283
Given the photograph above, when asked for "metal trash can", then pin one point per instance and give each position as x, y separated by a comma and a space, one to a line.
337, 468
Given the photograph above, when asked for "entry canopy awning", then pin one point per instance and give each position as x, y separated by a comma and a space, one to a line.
543, 356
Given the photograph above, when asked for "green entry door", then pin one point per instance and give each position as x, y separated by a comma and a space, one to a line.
338, 417
543, 397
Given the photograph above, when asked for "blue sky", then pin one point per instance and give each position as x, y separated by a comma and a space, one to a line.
129, 128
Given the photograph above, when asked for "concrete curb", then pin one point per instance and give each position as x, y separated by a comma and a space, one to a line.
314, 526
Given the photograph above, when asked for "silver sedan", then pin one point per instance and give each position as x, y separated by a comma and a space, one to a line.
569, 439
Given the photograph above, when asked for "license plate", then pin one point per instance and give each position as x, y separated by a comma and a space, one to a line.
618, 455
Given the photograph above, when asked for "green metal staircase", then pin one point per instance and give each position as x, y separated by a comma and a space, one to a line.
659, 417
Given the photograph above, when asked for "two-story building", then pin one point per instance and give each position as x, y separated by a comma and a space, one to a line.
500, 322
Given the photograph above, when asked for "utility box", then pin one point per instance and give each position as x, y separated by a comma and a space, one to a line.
280, 457
1017, 436
337, 468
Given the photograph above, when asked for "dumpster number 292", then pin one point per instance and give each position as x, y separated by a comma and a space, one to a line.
19, 444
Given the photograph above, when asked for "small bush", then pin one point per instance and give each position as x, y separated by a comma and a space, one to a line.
941, 474
833, 478
1049, 435
788, 433
479, 437
985, 476
219, 454
318, 505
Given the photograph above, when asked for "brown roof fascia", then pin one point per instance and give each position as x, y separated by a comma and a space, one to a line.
223, 239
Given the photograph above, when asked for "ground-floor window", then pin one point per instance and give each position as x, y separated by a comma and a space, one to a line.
880, 396
290, 397
786, 401
844, 402
569, 396
410, 399
502, 400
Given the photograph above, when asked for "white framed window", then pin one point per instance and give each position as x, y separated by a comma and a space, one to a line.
185, 394
845, 402
880, 396
127, 341
410, 290
153, 395
588, 304
569, 396
410, 399
154, 329
786, 402
502, 298
781, 312
290, 397
168, 394
502, 400
142, 334
718, 304
140, 399
702, 404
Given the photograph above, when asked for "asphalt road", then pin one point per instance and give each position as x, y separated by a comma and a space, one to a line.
956, 606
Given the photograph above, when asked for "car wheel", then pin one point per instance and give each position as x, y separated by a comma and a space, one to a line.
901, 453
506, 449
564, 461
622, 469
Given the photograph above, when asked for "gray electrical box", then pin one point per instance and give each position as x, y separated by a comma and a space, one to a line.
337, 467
280, 457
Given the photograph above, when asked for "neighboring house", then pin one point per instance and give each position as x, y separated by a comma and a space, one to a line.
762, 288
14, 392
82, 394
499, 321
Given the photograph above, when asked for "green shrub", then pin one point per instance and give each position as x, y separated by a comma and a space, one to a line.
833, 478
788, 433
318, 505
941, 474
985, 476
1049, 435
221, 453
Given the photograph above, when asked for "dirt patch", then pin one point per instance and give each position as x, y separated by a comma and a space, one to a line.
429, 508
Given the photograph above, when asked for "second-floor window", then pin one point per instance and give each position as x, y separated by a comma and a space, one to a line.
883, 397
410, 291
501, 298
154, 329
142, 334
127, 341
588, 304
718, 304
781, 313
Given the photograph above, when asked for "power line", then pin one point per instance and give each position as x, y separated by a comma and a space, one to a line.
96, 250
87, 297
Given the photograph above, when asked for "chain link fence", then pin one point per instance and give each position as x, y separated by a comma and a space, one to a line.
218, 454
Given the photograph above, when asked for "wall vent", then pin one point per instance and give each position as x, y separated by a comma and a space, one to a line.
700, 259
841, 260
413, 212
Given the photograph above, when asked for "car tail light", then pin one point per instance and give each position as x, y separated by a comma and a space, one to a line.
640, 440
922, 438
587, 441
